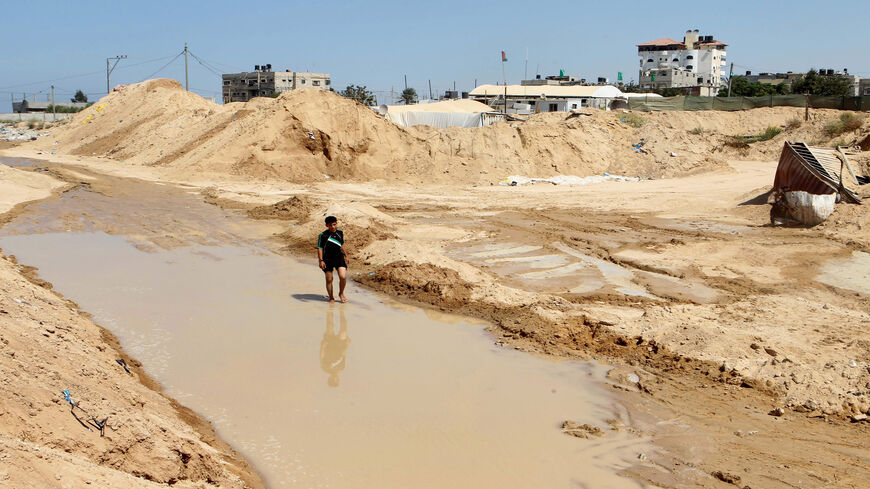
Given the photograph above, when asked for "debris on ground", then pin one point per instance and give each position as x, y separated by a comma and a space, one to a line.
581, 430
514, 180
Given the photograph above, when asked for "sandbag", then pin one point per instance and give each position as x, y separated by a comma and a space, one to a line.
809, 209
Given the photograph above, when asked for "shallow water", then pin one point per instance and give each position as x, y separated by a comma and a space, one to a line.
848, 273
365, 394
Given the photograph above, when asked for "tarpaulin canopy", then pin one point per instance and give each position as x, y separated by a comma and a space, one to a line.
443, 114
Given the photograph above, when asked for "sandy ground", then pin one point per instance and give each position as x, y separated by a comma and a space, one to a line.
731, 322
46, 346
678, 280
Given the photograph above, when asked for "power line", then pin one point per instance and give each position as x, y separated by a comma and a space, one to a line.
2, 89
164, 66
204, 65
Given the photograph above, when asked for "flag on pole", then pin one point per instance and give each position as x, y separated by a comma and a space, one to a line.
503, 57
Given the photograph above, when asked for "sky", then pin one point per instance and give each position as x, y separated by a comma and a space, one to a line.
377, 43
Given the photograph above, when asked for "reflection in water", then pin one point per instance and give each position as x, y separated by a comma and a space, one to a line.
333, 348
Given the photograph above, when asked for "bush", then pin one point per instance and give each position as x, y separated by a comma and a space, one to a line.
769, 133
738, 142
634, 120
847, 122
743, 142
793, 124
697, 131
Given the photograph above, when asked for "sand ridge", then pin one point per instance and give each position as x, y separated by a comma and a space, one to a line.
310, 136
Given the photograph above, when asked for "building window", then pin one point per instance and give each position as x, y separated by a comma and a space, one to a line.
573, 106
303, 81
554, 107
649, 60
700, 79
688, 67
690, 57
676, 60
327, 83
316, 83
226, 82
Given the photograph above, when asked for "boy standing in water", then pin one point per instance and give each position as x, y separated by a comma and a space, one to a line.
331, 256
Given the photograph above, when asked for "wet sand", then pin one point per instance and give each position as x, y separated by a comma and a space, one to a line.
365, 394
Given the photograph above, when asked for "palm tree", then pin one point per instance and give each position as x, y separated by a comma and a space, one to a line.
409, 96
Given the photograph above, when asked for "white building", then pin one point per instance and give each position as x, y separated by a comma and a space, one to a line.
696, 64
549, 98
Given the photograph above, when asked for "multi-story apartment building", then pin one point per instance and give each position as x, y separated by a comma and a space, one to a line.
263, 82
695, 64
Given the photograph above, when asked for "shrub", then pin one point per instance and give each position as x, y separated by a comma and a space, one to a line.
634, 120
769, 133
739, 142
743, 142
697, 131
793, 123
847, 122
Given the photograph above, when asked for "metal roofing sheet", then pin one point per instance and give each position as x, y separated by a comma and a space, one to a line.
812, 169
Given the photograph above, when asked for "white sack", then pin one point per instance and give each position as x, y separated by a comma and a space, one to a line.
809, 209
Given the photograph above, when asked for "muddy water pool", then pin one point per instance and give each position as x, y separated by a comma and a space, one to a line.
359, 395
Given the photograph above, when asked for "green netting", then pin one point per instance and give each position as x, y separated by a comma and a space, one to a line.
650, 104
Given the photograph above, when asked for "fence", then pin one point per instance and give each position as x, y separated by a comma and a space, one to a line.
647, 104
33, 116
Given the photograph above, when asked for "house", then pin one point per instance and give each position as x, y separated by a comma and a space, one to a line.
548, 98
263, 82
26, 106
695, 64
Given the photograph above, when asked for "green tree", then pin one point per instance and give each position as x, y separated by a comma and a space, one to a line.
359, 93
79, 97
818, 84
409, 96
742, 87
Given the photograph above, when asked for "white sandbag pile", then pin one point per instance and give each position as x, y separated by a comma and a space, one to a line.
802, 208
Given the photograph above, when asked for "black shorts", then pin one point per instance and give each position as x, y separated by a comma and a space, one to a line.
333, 264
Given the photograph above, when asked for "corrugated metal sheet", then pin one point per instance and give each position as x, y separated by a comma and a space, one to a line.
812, 169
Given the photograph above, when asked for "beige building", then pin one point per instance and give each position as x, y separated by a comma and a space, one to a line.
263, 82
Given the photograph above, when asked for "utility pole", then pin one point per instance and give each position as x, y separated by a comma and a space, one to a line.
185, 68
730, 76
526, 69
406, 82
110, 69
430, 89
53, 107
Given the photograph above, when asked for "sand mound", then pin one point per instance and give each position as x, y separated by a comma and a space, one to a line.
294, 208
310, 135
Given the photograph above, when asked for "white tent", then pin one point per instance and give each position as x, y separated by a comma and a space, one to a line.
443, 114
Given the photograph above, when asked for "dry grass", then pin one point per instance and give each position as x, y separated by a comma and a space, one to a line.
847, 122
634, 120
793, 124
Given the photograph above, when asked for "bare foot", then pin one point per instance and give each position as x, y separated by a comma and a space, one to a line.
342, 297
331, 300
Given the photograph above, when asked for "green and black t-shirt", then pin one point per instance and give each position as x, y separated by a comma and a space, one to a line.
331, 244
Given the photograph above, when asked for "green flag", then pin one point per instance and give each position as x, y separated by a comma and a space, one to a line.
619, 76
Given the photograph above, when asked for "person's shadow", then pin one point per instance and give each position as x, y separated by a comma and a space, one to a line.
310, 297
333, 347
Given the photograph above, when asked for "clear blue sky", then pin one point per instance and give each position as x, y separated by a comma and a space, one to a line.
375, 43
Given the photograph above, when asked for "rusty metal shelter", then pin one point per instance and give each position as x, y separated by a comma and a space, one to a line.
816, 170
